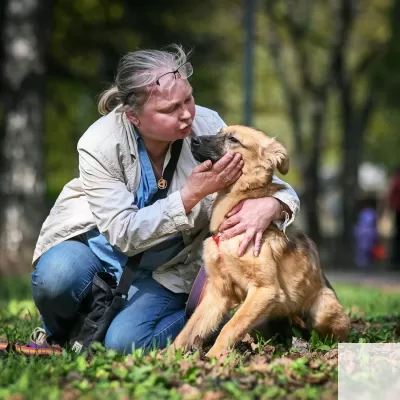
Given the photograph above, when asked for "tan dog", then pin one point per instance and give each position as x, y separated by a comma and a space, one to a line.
285, 280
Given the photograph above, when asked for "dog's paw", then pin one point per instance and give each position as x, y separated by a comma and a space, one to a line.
218, 353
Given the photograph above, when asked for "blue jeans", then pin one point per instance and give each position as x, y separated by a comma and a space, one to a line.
153, 315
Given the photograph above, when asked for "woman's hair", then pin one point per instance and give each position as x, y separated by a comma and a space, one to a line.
135, 73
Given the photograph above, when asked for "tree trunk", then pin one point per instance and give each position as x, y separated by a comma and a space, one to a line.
22, 185
311, 178
355, 122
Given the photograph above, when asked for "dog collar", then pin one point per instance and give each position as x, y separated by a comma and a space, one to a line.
216, 239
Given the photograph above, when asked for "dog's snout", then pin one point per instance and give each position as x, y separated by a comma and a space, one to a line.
196, 141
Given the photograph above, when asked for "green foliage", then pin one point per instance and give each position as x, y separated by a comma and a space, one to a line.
83, 61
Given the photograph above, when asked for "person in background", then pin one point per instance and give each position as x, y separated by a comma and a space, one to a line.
394, 205
366, 233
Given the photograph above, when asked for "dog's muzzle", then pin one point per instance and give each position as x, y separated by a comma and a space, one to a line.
206, 148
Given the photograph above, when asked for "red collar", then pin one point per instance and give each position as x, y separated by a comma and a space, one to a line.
216, 239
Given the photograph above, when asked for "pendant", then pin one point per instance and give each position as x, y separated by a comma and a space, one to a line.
162, 183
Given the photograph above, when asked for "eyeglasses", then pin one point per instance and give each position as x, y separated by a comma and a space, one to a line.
166, 80
183, 72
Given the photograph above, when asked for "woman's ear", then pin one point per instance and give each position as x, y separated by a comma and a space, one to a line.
133, 118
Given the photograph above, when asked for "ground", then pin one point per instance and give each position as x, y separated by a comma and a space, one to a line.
296, 369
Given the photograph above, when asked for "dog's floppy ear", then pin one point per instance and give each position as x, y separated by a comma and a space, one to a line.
283, 165
278, 156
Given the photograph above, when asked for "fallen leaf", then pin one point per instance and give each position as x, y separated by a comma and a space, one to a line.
185, 366
248, 339
331, 354
74, 376
300, 344
256, 367
315, 364
284, 361
210, 395
16, 396
129, 360
317, 378
188, 391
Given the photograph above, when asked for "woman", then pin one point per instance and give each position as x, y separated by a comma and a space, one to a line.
106, 216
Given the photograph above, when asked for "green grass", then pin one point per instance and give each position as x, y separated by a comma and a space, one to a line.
263, 370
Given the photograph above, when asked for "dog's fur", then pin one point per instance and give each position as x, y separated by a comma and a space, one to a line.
285, 280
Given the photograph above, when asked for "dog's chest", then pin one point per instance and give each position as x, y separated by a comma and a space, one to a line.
225, 268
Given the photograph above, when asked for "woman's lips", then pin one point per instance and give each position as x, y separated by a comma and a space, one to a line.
187, 130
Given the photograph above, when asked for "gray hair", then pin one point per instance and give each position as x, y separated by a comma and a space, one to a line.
136, 72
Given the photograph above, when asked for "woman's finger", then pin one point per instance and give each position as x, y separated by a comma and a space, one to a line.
228, 168
229, 223
257, 243
235, 230
235, 209
248, 237
223, 163
203, 167
231, 173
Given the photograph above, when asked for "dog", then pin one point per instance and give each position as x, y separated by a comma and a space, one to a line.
285, 280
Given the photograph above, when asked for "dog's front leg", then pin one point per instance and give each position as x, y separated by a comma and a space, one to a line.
258, 303
205, 319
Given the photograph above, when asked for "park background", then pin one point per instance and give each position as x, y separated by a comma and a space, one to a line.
321, 75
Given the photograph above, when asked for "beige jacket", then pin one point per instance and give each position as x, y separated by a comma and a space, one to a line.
103, 197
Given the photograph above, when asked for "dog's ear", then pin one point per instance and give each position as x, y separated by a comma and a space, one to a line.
283, 165
278, 156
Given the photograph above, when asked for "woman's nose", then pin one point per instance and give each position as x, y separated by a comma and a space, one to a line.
186, 114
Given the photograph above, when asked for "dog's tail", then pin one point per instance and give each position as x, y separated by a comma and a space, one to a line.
327, 317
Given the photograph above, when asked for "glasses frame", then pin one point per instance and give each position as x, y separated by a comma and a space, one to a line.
171, 72
176, 72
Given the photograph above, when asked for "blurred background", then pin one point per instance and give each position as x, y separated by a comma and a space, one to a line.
321, 75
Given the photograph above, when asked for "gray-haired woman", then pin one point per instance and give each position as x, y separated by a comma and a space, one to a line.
107, 215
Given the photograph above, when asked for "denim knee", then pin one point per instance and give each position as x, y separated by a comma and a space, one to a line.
51, 287
126, 339
62, 276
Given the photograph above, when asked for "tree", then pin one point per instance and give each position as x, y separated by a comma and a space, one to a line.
323, 65
25, 32
383, 140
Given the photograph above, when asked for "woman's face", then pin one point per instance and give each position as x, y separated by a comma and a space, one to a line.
168, 113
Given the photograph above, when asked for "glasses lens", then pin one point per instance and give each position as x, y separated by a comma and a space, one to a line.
186, 70
167, 80
183, 72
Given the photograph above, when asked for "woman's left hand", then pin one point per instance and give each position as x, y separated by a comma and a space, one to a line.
252, 217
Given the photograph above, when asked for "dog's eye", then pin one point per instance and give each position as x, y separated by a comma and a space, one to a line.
233, 139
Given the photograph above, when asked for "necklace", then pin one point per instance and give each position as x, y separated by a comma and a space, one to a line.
161, 183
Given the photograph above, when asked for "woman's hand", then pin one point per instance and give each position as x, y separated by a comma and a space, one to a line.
207, 178
252, 217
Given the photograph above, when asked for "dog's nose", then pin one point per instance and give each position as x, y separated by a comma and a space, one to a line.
196, 141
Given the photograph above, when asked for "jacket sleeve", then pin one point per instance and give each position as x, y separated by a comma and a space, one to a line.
287, 195
117, 217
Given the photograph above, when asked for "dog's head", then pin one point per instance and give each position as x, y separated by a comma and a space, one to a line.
261, 154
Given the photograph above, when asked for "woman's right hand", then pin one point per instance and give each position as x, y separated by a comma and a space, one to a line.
207, 178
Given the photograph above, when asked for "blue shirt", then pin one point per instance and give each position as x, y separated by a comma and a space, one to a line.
112, 259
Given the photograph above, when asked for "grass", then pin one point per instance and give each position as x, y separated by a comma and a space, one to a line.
267, 369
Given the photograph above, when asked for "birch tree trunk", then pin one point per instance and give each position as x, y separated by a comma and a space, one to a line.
25, 33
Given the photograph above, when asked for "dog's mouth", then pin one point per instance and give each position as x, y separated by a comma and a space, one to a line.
207, 148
